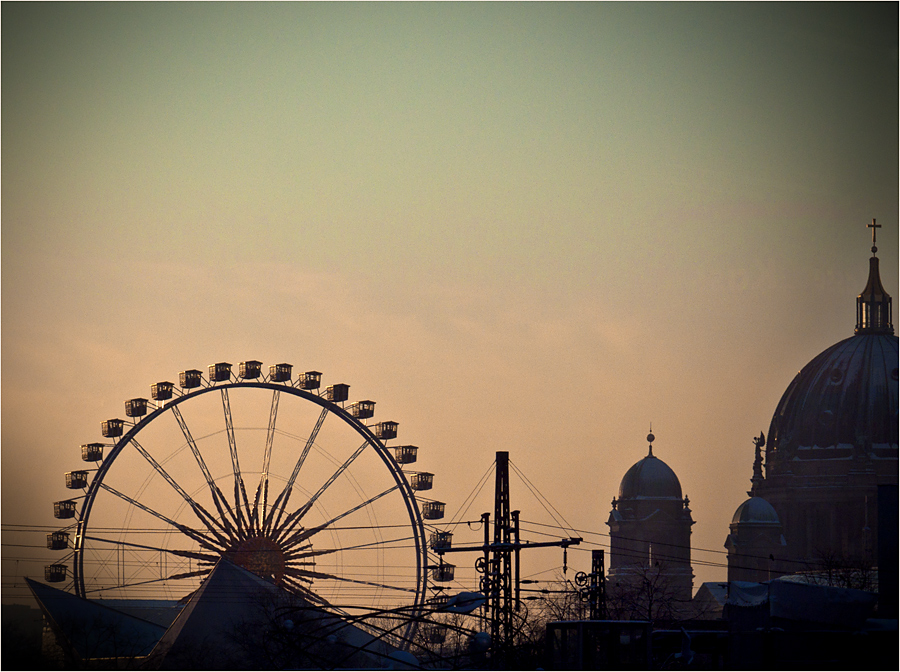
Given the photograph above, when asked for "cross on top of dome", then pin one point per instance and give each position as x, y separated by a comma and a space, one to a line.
873, 226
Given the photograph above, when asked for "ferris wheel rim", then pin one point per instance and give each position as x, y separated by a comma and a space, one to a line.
406, 492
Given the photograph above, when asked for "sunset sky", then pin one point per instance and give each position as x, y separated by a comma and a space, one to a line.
525, 227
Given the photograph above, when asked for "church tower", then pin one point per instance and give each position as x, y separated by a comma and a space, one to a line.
650, 542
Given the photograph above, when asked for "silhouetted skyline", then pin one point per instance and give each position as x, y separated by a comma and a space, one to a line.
525, 227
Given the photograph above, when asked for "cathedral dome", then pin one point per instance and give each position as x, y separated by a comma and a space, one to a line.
845, 397
756, 510
651, 478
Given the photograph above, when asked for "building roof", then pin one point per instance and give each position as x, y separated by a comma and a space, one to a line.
651, 478
851, 385
756, 510
88, 629
709, 601
238, 619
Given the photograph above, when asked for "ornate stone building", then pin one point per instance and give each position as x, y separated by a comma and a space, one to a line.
831, 443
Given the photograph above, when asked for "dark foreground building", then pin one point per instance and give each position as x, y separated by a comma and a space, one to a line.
234, 620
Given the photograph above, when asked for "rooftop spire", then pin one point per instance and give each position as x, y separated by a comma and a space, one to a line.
650, 438
873, 305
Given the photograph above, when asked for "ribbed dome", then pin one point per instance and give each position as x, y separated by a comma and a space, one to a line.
851, 385
651, 478
756, 510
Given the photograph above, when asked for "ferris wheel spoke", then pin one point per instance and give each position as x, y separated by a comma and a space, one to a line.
193, 555
262, 490
381, 543
301, 554
311, 574
303, 535
217, 496
300, 586
202, 539
297, 515
239, 490
205, 517
318, 603
171, 577
282, 500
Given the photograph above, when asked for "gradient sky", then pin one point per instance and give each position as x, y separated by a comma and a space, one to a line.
525, 227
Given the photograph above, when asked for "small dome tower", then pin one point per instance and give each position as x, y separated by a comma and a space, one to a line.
650, 532
755, 544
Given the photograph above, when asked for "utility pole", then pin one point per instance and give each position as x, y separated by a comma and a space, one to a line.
500, 597
499, 565
593, 587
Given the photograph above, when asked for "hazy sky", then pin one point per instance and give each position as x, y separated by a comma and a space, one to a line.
525, 227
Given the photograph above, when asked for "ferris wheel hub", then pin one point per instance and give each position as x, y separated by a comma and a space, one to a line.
260, 555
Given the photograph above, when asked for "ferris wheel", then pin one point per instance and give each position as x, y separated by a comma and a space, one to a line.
268, 471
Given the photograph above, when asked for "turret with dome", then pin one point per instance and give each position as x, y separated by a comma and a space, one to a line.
650, 528
755, 543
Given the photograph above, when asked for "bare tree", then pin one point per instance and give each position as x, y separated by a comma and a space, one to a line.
843, 571
559, 601
647, 594
444, 641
